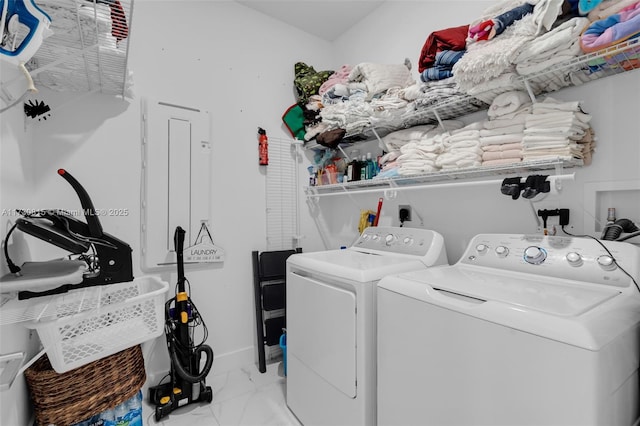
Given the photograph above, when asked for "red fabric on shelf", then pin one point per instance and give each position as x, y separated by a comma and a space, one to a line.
454, 38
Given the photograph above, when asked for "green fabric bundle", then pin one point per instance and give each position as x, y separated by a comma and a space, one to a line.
308, 81
293, 119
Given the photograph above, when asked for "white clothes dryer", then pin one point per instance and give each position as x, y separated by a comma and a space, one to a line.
331, 318
522, 330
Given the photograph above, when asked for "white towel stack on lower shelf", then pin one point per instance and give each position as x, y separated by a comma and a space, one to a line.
501, 135
557, 129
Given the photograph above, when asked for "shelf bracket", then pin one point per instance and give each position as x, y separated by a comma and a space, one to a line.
435, 112
527, 85
380, 141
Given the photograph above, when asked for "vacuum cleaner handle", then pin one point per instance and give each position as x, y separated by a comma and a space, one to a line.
178, 243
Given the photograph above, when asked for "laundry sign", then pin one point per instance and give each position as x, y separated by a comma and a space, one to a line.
204, 250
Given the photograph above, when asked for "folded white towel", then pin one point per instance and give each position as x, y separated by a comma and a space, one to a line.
462, 136
516, 153
502, 147
508, 102
514, 128
551, 104
504, 122
417, 155
501, 139
456, 158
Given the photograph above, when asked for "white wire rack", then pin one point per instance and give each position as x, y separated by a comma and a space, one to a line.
610, 61
461, 176
617, 59
88, 50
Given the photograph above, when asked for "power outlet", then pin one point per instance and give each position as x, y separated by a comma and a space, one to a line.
404, 213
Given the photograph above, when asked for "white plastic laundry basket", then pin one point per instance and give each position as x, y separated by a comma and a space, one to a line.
85, 325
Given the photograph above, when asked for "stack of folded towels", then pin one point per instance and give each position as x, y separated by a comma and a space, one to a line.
420, 157
461, 148
501, 135
556, 129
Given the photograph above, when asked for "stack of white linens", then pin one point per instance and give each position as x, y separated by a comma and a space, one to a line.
557, 129
558, 45
419, 157
501, 135
397, 139
461, 148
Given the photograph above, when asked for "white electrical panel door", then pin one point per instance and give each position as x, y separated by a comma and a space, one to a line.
176, 178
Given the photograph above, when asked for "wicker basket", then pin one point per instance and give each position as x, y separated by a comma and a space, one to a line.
68, 398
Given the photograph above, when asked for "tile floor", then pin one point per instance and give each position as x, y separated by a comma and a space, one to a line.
243, 397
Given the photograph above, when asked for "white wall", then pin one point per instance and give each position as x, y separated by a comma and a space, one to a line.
218, 56
16, 185
398, 29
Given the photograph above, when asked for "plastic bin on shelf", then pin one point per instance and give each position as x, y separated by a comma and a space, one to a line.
89, 324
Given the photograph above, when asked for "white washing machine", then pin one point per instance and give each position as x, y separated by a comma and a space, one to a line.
520, 331
331, 321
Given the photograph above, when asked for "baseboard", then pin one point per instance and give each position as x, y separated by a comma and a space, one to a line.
233, 360
222, 363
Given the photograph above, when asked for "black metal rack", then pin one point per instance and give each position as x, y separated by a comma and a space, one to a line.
269, 284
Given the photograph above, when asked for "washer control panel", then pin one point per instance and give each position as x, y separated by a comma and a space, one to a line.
408, 241
575, 258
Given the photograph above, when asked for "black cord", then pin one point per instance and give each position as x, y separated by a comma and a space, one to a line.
608, 252
627, 237
15, 269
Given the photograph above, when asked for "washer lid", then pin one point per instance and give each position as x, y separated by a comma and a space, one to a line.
572, 312
354, 265
548, 295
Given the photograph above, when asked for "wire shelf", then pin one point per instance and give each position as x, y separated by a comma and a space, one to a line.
88, 51
428, 179
617, 59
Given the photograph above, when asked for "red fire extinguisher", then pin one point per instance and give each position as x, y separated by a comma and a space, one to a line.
263, 147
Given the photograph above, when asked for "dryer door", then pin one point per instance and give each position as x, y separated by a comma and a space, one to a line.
321, 330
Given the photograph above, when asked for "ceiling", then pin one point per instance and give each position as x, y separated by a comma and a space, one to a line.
327, 19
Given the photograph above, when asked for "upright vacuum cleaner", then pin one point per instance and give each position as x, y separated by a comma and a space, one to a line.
187, 383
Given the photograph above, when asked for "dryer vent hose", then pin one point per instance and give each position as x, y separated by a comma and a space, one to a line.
613, 231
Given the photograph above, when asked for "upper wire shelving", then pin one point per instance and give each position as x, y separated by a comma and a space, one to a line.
613, 60
88, 51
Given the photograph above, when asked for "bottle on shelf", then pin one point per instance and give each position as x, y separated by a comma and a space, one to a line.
353, 170
363, 167
371, 166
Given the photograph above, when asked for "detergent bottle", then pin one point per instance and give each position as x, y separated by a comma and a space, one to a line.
263, 147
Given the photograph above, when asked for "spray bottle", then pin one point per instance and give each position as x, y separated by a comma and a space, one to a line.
263, 147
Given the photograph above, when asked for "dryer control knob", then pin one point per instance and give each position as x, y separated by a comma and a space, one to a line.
502, 251
606, 262
574, 259
389, 239
481, 248
408, 241
534, 255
